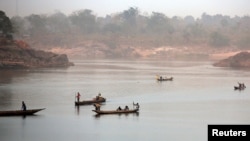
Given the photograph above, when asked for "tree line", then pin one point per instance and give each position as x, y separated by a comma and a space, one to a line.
132, 27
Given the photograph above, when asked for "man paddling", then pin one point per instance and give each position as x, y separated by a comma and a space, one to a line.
23, 106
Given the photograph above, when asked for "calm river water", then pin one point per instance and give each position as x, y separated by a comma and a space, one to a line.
177, 110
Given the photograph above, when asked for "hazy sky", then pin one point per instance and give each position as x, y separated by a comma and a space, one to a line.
103, 7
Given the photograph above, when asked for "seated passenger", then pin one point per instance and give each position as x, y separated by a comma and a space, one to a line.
98, 97
119, 108
126, 108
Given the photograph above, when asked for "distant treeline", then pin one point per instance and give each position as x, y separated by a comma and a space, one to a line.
132, 27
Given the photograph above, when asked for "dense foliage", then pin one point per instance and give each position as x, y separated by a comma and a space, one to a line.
132, 27
5, 26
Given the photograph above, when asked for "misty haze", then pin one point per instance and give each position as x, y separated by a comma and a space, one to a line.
130, 34
184, 73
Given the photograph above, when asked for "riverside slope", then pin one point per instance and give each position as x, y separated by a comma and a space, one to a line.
14, 56
240, 60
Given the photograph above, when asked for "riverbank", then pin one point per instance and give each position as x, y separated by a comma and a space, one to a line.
14, 56
184, 53
239, 60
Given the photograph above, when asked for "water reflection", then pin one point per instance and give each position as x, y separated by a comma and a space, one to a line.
5, 95
7, 75
77, 110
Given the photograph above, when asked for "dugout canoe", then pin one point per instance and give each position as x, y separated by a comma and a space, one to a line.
238, 88
88, 102
165, 79
20, 112
116, 111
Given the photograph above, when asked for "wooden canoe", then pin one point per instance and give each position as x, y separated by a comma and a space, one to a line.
88, 102
238, 88
116, 111
20, 112
165, 79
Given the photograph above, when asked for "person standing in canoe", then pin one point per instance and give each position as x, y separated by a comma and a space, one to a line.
78, 97
23, 106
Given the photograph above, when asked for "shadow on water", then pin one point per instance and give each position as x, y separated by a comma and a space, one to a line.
77, 110
5, 95
31, 116
22, 116
7, 76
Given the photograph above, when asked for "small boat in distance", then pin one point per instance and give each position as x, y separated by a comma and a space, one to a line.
20, 112
241, 86
160, 78
97, 99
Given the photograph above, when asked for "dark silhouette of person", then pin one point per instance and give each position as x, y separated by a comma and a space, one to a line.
119, 108
98, 97
78, 96
137, 106
243, 85
126, 108
24, 108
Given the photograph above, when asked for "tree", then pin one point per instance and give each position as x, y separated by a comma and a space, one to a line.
189, 20
130, 16
37, 24
58, 23
5, 26
157, 22
84, 20
129, 20
18, 25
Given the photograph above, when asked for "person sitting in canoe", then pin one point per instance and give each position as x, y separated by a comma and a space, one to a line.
126, 108
119, 109
23, 106
241, 86
98, 96
161, 78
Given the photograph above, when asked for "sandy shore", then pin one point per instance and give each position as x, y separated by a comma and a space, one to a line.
141, 52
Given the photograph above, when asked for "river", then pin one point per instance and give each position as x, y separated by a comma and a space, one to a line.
177, 110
